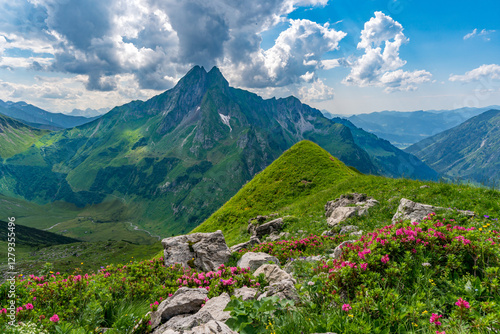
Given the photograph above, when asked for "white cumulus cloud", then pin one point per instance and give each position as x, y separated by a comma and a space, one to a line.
381, 65
491, 72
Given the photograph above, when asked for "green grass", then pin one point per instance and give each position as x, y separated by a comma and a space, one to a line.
303, 170
16, 136
278, 189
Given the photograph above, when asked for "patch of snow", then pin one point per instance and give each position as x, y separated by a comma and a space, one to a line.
225, 120
482, 144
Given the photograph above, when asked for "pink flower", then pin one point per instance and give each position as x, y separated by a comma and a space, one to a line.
54, 318
435, 319
364, 266
29, 306
385, 258
438, 332
34, 298
462, 303
346, 307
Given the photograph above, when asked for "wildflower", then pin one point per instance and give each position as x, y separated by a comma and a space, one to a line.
310, 283
346, 307
426, 264
424, 312
29, 306
438, 332
462, 303
351, 315
385, 258
54, 318
435, 319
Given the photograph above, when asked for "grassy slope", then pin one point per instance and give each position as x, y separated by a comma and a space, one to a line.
278, 189
16, 137
302, 170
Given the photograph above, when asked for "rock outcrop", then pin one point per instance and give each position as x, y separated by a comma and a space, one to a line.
273, 273
255, 260
245, 245
415, 212
246, 293
265, 229
203, 251
283, 289
184, 301
348, 206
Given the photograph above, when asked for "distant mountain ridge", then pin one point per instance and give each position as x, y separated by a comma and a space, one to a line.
404, 128
469, 151
180, 155
39, 118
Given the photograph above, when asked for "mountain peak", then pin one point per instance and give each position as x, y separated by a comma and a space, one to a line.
215, 77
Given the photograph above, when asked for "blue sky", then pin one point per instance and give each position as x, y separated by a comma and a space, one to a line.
344, 56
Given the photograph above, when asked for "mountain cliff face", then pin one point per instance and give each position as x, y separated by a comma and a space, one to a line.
470, 151
178, 156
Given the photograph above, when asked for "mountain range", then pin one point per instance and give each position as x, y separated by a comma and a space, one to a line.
403, 129
174, 159
39, 118
469, 151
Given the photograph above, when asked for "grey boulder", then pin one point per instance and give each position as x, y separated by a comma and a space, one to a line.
203, 251
255, 260
347, 206
273, 273
415, 212
184, 301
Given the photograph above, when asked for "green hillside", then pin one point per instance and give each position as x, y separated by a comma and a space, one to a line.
16, 137
302, 170
469, 151
304, 178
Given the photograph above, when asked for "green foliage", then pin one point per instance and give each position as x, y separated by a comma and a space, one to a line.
256, 316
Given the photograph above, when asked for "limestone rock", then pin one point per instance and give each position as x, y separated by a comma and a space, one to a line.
267, 228
284, 290
273, 273
212, 327
213, 310
184, 301
255, 260
203, 251
275, 236
348, 206
245, 245
348, 229
246, 293
415, 212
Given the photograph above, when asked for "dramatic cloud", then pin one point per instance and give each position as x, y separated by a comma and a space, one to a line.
483, 72
483, 33
294, 57
380, 65
159, 40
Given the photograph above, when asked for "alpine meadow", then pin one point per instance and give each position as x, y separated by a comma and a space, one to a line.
274, 167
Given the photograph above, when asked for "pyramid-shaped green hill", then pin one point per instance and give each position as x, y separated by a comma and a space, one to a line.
302, 170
